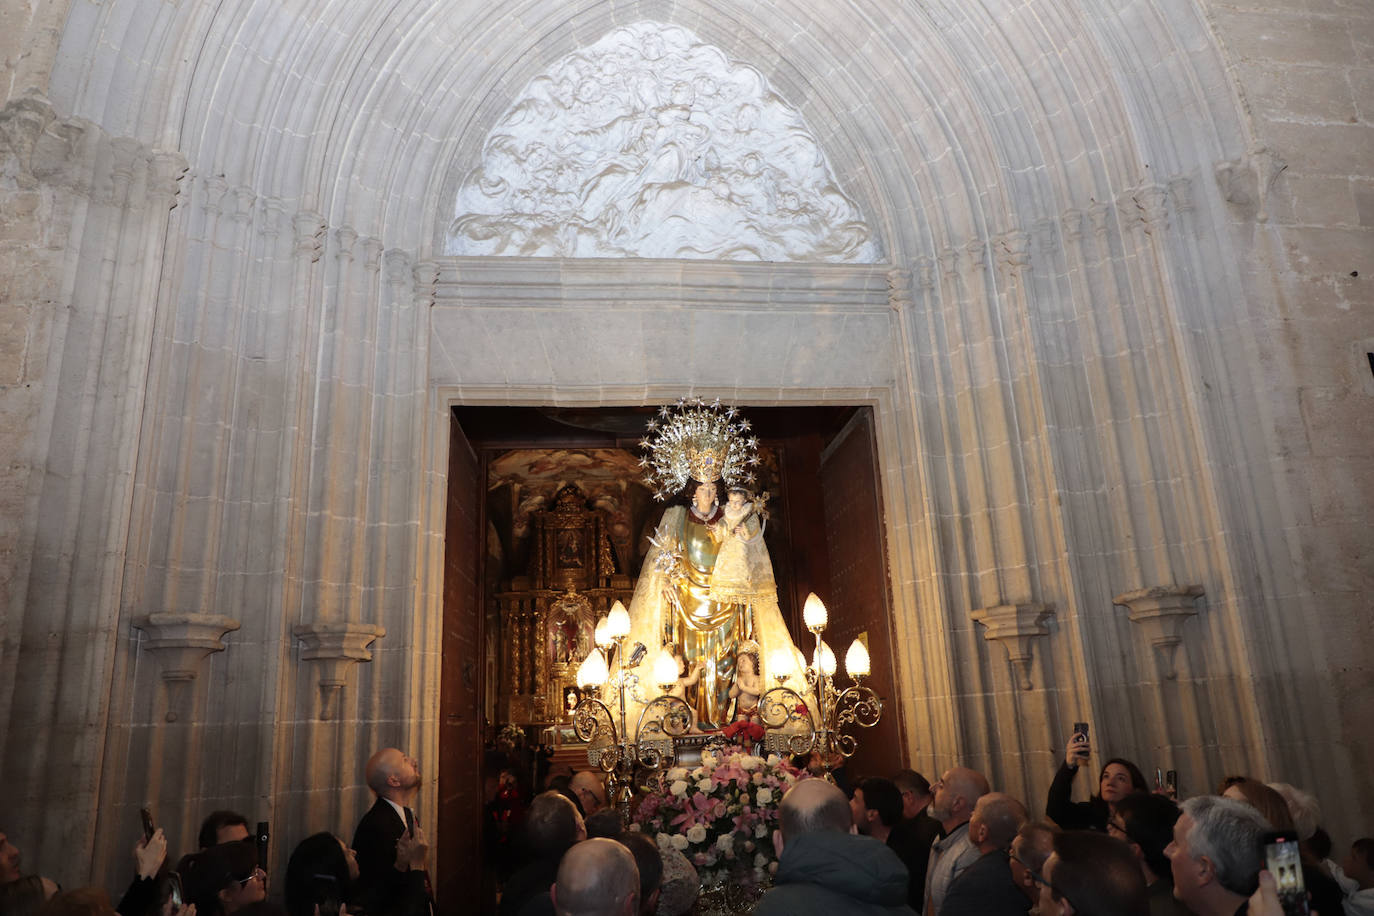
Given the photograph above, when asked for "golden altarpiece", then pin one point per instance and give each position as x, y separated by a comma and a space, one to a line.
548, 616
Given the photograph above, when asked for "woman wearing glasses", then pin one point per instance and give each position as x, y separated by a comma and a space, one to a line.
224, 879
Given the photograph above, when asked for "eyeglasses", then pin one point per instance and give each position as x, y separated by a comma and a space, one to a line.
1040, 880
258, 874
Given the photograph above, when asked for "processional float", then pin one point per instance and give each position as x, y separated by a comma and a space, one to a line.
632, 738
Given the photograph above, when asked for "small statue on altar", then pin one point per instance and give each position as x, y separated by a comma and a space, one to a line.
571, 697
686, 678
747, 686
742, 567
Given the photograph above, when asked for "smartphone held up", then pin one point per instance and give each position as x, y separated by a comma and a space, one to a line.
1284, 861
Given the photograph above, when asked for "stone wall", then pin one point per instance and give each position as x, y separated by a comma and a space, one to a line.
1116, 358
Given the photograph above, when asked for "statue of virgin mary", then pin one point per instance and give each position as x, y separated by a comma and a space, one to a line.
676, 603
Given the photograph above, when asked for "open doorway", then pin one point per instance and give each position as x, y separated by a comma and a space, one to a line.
509, 465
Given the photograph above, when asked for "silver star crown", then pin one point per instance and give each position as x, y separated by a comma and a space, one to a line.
696, 440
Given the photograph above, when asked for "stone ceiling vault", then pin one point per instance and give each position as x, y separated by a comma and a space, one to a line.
946, 121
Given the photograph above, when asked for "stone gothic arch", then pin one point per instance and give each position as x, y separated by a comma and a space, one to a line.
237, 417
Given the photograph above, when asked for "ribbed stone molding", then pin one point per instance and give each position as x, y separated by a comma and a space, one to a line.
180, 643
336, 647
1161, 610
1014, 626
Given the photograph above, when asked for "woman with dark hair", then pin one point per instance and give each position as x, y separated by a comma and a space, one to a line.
320, 872
1119, 778
223, 879
26, 895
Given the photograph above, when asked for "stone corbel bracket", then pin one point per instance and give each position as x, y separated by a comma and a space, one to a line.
1161, 610
335, 647
1014, 626
180, 643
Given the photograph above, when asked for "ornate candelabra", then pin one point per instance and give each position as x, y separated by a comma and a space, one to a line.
614, 750
787, 714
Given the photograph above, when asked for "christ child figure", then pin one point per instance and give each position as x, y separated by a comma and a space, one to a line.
747, 686
740, 536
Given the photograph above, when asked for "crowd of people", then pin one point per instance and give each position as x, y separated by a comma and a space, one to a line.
383, 873
898, 845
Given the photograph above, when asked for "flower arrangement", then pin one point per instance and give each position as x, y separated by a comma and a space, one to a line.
721, 814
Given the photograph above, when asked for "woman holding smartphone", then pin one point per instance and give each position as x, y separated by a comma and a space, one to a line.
1119, 778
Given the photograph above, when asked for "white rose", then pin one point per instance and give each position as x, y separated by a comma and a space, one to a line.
757, 779
765, 796
676, 773
709, 760
679, 841
706, 785
760, 860
696, 833
679, 788
664, 840
750, 762
760, 830
725, 842
774, 760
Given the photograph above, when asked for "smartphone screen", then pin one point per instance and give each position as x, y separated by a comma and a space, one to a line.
1284, 862
148, 827
174, 890
1081, 728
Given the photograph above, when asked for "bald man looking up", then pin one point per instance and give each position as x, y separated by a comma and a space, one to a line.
388, 841
824, 867
956, 794
596, 878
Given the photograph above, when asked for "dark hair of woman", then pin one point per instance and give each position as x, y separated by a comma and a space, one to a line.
317, 871
1137, 778
22, 897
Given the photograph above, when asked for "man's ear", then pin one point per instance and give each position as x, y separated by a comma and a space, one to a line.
1206, 870
553, 894
777, 841
872, 815
1065, 907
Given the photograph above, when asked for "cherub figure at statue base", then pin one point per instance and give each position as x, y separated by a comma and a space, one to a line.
686, 678
747, 686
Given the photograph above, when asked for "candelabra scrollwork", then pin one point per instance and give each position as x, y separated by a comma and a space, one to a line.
856, 705
787, 716
834, 712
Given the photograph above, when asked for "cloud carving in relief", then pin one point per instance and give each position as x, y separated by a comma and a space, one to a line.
653, 144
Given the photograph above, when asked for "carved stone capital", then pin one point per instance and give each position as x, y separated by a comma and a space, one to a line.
165, 173
336, 647
396, 263
1074, 220
1014, 626
243, 200
372, 253
347, 237
1012, 251
180, 643
1162, 610
310, 229
898, 288
426, 274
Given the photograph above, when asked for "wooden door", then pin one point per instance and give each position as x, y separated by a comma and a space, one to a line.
461, 685
860, 596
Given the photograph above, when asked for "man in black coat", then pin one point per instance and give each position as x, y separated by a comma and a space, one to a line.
388, 842
986, 887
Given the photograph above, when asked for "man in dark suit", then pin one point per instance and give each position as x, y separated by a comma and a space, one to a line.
986, 888
390, 845
914, 834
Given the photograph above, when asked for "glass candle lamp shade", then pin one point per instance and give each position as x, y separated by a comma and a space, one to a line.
814, 614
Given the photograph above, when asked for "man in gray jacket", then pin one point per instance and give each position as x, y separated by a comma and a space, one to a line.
824, 868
